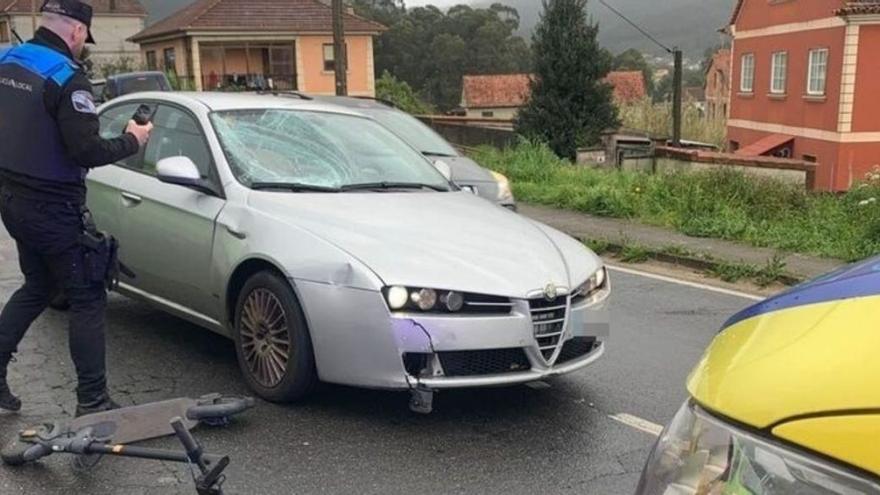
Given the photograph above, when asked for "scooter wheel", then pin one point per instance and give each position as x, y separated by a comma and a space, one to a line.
13, 453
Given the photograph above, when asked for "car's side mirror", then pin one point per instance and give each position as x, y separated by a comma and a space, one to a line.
443, 168
180, 170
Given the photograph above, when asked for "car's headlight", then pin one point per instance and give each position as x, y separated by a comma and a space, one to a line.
698, 453
504, 191
420, 299
594, 284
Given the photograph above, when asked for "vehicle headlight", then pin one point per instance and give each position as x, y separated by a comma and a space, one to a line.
504, 191
427, 300
698, 453
593, 284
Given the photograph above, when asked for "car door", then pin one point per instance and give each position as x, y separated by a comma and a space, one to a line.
168, 230
104, 182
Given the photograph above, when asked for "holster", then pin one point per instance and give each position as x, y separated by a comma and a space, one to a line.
101, 255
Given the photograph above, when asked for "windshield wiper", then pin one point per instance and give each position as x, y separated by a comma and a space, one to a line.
293, 187
438, 154
392, 185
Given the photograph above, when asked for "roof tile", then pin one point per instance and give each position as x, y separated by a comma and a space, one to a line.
255, 15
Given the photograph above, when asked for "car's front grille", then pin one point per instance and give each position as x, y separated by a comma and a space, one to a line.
483, 304
548, 320
485, 362
575, 348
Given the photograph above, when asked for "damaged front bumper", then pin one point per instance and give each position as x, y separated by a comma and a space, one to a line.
357, 341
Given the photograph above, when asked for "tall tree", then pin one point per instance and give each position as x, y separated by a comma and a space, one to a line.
431, 50
570, 104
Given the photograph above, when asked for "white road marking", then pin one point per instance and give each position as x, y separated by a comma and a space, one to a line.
695, 285
637, 423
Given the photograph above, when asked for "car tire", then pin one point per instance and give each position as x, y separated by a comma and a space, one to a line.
272, 340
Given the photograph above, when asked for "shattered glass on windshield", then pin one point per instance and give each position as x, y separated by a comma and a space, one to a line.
316, 148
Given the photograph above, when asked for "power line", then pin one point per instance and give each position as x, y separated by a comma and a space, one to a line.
633, 24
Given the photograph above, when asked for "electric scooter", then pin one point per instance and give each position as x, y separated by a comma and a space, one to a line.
92, 436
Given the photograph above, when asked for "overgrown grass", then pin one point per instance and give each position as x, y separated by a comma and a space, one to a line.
656, 119
723, 204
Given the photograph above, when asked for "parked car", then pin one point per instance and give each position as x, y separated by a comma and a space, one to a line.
98, 89
785, 400
329, 249
127, 83
465, 172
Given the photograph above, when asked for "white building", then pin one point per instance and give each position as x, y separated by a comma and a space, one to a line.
114, 21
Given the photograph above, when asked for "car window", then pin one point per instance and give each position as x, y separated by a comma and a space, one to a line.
176, 133
140, 83
113, 122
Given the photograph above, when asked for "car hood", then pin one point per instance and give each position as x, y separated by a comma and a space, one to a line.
440, 240
811, 350
465, 170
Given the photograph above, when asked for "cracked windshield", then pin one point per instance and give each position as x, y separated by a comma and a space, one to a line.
334, 151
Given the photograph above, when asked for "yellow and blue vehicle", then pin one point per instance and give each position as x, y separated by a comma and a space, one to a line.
786, 399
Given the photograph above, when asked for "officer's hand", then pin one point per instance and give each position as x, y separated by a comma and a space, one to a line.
141, 132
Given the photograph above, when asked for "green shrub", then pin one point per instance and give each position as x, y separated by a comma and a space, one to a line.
720, 203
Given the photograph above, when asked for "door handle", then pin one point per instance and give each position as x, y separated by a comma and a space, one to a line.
131, 199
235, 233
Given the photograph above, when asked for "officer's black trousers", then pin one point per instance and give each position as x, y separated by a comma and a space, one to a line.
50, 255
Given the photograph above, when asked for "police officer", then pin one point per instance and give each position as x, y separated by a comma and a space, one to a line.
48, 141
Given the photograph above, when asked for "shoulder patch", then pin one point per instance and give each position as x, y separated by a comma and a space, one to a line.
83, 101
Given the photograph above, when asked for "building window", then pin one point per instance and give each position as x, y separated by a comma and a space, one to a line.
330, 58
747, 75
734, 145
151, 60
488, 114
810, 158
817, 72
169, 59
4, 32
779, 69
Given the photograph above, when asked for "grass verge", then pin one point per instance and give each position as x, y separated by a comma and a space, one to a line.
722, 204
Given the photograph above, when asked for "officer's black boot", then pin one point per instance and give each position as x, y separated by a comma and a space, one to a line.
8, 401
100, 404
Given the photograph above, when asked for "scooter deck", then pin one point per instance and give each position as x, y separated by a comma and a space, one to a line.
136, 423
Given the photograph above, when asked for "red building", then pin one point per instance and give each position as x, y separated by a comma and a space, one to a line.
804, 84
717, 88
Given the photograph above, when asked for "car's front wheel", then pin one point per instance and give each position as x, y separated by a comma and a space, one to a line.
272, 340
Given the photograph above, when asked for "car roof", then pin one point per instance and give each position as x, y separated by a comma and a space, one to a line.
220, 101
132, 75
364, 103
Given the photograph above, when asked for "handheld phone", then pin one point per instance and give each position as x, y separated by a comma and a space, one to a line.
143, 115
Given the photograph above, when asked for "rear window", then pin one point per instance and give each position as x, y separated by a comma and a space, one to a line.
142, 83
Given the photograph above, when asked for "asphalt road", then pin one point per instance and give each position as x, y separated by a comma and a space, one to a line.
556, 438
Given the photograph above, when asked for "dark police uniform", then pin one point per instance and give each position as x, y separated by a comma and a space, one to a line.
48, 141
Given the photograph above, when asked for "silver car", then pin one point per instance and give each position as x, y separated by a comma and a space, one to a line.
331, 250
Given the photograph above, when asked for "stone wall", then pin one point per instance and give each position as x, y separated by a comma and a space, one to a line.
673, 159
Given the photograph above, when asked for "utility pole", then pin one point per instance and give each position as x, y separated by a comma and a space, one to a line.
340, 57
676, 98
676, 77
33, 17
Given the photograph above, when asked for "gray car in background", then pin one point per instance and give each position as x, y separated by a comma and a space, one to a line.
466, 173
